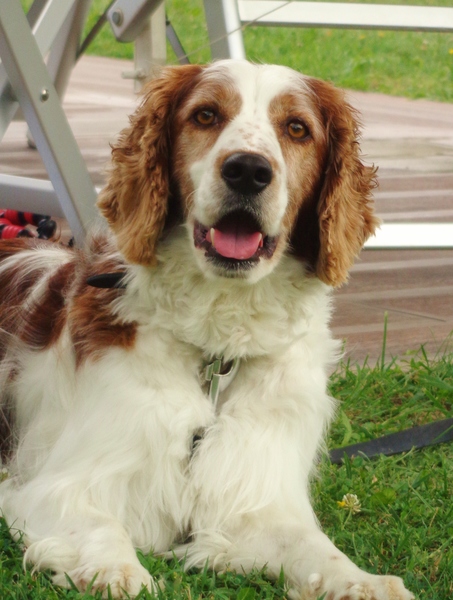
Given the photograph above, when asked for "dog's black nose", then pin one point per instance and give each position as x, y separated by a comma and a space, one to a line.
247, 173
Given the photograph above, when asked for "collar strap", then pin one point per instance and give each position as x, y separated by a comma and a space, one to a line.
218, 374
107, 280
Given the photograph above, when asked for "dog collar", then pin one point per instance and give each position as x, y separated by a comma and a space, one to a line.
107, 280
219, 374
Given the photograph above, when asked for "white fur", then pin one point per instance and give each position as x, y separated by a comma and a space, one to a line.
250, 131
105, 462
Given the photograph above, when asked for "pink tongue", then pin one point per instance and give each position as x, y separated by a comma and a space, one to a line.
235, 243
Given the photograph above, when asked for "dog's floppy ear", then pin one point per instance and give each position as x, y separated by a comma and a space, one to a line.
134, 201
345, 207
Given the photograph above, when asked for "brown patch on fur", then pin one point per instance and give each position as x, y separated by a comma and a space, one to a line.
93, 324
13, 246
13, 286
330, 213
345, 207
191, 141
43, 323
134, 201
304, 159
37, 321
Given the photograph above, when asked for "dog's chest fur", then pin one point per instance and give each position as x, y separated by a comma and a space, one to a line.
221, 317
278, 327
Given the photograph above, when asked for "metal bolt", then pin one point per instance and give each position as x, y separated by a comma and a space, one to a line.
117, 17
44, 95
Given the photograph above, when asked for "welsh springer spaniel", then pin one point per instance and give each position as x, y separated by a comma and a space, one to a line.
236, 201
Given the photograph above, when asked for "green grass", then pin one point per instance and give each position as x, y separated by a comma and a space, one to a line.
405, 526
406, 523
416, 65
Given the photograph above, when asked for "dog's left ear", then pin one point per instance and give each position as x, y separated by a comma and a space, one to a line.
135, 199
345, 207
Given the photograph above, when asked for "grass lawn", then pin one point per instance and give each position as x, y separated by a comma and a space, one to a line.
417, 65
405, 525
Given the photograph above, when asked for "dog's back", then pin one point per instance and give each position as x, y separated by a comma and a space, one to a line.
43, 292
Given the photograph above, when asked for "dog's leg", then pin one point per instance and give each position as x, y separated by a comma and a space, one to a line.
90, 550
76, 542
111, 472
106, 559
251, 478
313, 567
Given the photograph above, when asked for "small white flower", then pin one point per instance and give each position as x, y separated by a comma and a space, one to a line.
350, 502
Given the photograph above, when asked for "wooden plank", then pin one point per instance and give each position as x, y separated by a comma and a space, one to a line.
401, 343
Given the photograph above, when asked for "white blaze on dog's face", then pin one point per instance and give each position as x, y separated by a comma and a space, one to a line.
249, 143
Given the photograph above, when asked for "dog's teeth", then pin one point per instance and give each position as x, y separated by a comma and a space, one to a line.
261, 242
212, 233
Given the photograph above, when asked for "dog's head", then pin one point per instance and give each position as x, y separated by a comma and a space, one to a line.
257, 160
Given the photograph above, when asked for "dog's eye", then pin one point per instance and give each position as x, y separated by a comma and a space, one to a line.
297, 130
205, 117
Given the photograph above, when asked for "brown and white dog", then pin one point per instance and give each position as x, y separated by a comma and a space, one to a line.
237, 200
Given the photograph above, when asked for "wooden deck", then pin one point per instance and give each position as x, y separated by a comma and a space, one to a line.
411, 141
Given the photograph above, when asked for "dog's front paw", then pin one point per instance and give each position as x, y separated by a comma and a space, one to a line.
122, 579
362, 587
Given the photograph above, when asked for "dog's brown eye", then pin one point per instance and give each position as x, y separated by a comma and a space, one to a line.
205, 117
297, 130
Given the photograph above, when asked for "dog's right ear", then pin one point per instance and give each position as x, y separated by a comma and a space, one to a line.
134, 201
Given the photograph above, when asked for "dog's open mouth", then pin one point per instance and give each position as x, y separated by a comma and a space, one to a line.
236, 241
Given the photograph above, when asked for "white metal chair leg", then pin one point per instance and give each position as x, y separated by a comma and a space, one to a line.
44, 31
224, 29
63, 53
34, 90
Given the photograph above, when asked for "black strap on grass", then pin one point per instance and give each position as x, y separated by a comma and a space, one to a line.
438, 432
